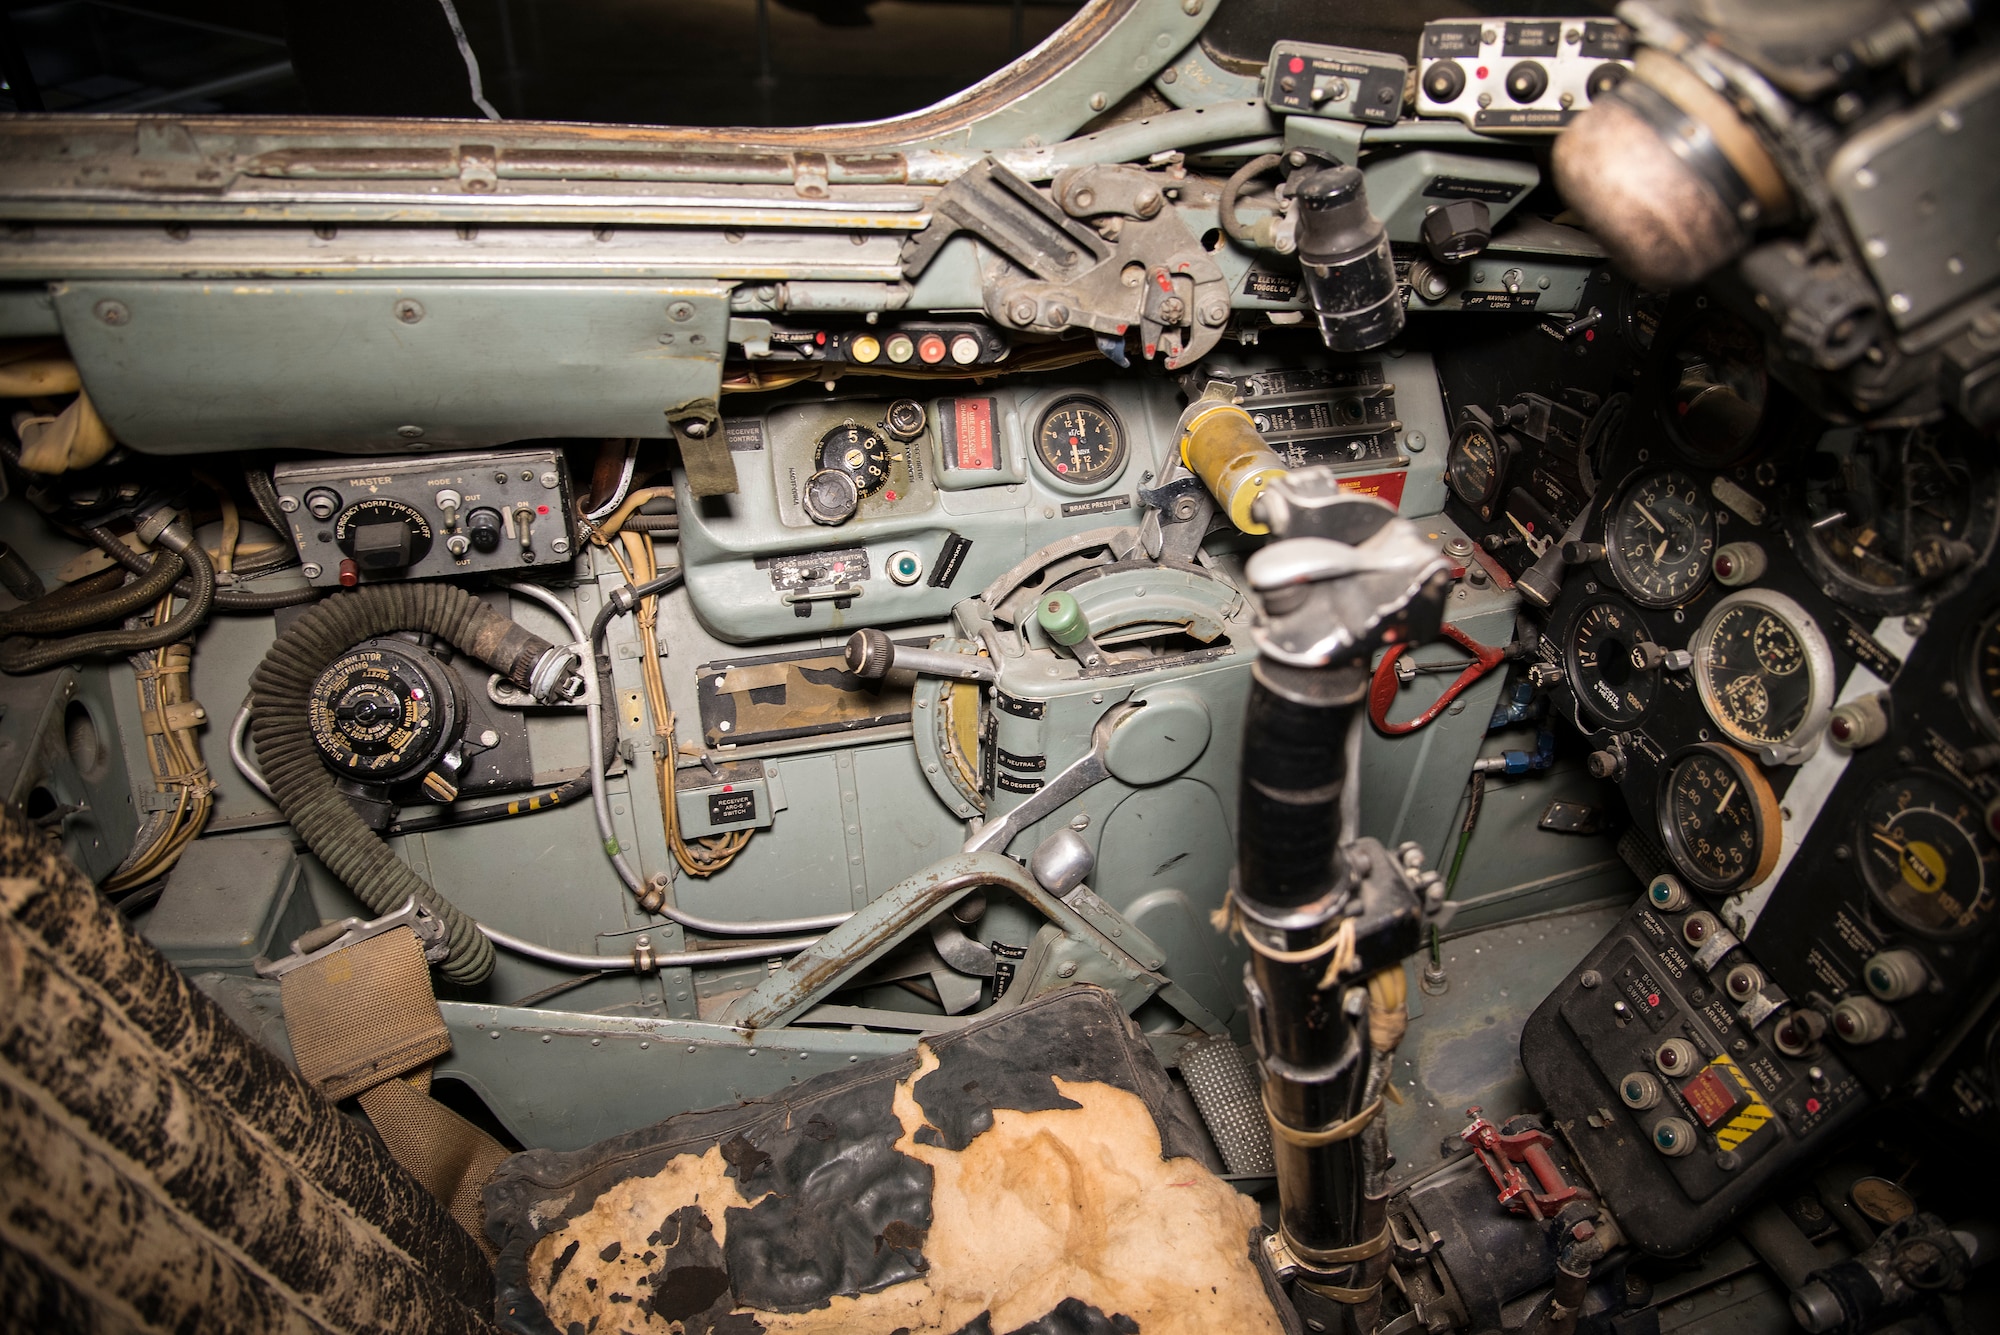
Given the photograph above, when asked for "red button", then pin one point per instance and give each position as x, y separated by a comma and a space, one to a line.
1480, 72
1652, 998
350, 573
1812, 1105
1297, 65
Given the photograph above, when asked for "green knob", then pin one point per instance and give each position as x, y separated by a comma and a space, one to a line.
1062, 618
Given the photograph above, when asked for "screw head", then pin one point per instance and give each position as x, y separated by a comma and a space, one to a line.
310, 570
409, 311
681, 312
409, 432
559, 546
113, 312
1023, 311
1067, 969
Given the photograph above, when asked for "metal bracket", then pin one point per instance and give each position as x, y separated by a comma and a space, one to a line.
335, 936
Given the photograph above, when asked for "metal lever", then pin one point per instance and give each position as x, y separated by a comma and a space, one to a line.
330, 937
872, 654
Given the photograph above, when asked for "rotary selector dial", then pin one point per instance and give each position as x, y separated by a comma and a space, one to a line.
383, 534
384, 712
860, 453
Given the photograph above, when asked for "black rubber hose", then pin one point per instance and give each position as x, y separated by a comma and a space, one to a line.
281, 730
1225, 209
114, 547
266, 496
20, 655
60, 615
451, 818
18, 576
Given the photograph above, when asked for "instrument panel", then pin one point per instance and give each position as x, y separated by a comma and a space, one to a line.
1780, 644
867, 509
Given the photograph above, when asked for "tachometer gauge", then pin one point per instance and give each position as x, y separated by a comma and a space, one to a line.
1080, 441
1476, 466
1981, 688
1927, 858
1660, 538
1720, 818
860, 453
1765, 674
1603, 661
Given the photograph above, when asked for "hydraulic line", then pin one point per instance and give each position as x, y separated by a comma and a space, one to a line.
281, 730
1225, 209
21, 655
687, 959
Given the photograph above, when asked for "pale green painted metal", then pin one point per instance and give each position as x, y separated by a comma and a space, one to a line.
353, 367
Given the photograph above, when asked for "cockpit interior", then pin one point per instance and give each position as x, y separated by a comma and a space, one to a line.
1289, 667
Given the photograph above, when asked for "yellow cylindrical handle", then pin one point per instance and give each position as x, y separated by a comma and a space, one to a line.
1220, 445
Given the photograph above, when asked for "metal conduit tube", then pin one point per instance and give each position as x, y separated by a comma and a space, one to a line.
688, 959
622, 601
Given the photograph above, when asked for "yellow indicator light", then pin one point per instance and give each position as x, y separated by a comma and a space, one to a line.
865, 349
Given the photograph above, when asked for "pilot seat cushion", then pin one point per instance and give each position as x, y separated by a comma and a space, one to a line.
1028, 1174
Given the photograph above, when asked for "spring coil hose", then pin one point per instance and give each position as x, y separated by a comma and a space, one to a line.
281, 731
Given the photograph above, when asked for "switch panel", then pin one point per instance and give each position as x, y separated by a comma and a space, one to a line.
1519, 75
367, 521
1667, 1081
1303, 78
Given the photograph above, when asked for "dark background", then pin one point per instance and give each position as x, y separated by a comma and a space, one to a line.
661, 62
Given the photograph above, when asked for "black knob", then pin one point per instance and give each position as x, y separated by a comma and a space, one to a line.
831, 496
483, 527
1458, 230
1527, 81
1604, 78
384, 545
1444, 81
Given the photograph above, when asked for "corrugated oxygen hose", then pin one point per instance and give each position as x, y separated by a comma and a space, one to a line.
281, 730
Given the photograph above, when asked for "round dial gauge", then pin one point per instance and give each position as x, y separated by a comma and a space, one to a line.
1719, 389
1981, 689
1475, 466
1720, 818
1926, 856
1081, 442
1895, 520
1602, 658
858, 452
1660, 538
1765, 673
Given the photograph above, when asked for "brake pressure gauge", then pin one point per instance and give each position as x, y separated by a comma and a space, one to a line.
1605, 663
1720, 818
1765, 674
1080, 442
1926, 856
1660, 539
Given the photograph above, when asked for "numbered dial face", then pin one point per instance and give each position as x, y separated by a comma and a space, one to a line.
1475, 467
1660, 539
858, 452
1928, 861
382, 712
1080, 441
1603, 666
1720, 818
1760, 669
1982, 675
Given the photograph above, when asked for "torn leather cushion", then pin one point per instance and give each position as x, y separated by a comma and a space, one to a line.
1025, 1175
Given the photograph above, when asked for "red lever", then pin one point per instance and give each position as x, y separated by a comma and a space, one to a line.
1504, 1155
1382, 691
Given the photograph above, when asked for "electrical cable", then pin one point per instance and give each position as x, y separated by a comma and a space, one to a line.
630, 506
1225, 209
20, 656
77, 606
114, 547
617, 496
